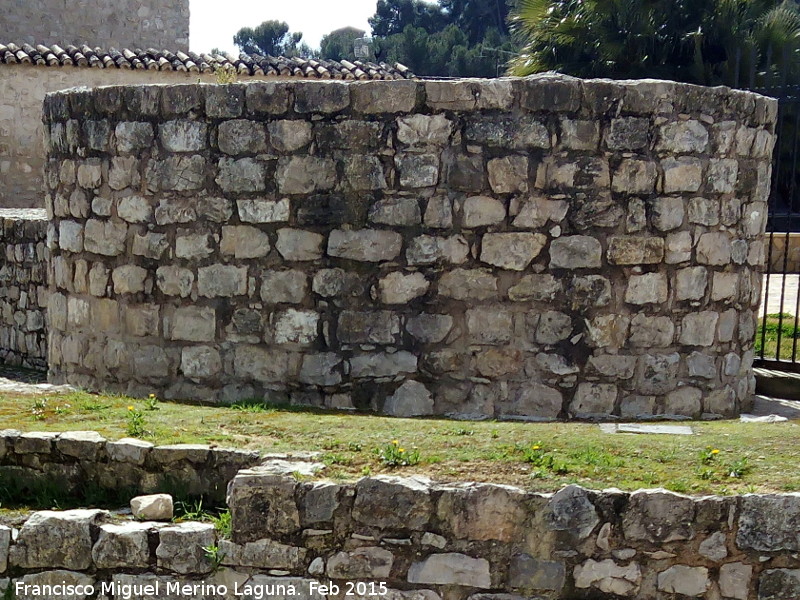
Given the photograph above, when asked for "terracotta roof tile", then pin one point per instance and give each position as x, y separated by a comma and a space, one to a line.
246, 65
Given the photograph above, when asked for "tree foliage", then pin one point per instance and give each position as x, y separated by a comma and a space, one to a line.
709, 42
338, 44
456, 38
270, 38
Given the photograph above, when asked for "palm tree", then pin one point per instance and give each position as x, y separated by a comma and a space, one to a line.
700, 41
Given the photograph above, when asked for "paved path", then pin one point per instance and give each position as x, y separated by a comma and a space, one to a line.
789, 284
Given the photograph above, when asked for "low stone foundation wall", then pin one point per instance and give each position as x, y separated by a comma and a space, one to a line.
518, 248
411, 539
70, 461
23, 288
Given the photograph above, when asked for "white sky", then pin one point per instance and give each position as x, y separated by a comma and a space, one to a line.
214, 23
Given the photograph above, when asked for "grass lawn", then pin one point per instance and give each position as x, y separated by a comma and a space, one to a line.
789, 330
722, 458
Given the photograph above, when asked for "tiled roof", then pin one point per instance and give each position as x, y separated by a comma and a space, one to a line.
164, 60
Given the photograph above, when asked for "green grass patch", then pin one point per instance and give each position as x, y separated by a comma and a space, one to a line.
767, 337
536, 456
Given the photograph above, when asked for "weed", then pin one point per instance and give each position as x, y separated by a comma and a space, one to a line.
151, 403
738, 468
225, 75
251, 405
222, 523
190, 510
541, 458
495, 434
709, 455
337, 459
136, 425
366, 471
39, 408
392, 455
354, 446
214, 556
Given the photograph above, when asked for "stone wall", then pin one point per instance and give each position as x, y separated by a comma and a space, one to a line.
23, 91
517, 248
121, 24
69, 460
23, 288
785, 254
411, 539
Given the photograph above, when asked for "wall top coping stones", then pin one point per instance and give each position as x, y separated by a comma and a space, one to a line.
537, 93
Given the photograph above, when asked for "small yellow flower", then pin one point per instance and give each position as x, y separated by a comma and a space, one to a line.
402, 450
152, 396
715, 451
130, 408
536, 447
395, 442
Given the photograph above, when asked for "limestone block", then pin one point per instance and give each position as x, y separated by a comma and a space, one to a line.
396, 211
659, 517
249, 492
70, 236
609, 577
393, 503
429, 328
553, 327
104, 237
241, 175
509, 174
402, 288
84, 445
628, 133
734, 580
321, 97
375, 327
179, 173
321, 369
129, 279
439, 213
685, 401
174, 281
475, 511
411, 399
580, 134
682, 579
417, 170
451, 569
362, 563
428, 249
479, 211
489, 325
183, 136
367, 245
296, 327
594, 399
263, 211
691, 283
537, 211
284, 287
650, 288
194, 324
305, 174
243, 241
704, 211
513, 251
541, 288
575, 252
682, 174
133, 136
657, 373
181, 547
364, 173
263, 554
242, 136
122, 546
300, 245
699, 329
684, 136
200, 362
424, 130
517, 133
767, 523
651, 331
535, 574
221, 281
635, 176
667, 214
50, 539
383, 364
128, 450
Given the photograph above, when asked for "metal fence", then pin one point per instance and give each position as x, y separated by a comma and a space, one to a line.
778, 334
